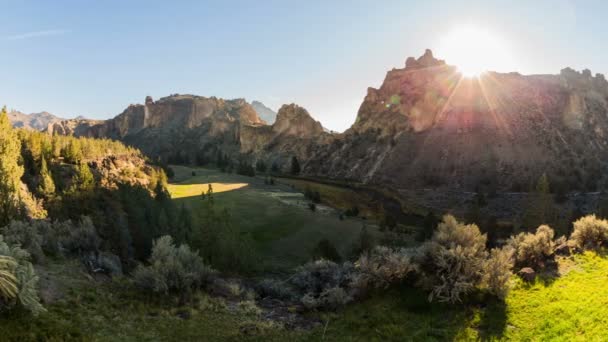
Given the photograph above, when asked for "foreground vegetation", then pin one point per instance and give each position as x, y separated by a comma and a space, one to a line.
94, 247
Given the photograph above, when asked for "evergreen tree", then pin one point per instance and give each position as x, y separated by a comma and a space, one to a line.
10, 170
46, 187
83, 180
295, 166
540, 209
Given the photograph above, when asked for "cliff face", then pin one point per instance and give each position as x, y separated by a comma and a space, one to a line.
294, 133
428, 126
425, 126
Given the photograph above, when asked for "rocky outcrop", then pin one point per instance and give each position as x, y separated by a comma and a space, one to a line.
34, 121
428, 126
266, 114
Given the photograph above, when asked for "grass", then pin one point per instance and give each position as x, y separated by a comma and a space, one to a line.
113, 311
573, 307
284, 229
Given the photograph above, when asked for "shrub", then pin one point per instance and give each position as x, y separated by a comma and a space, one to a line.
326, 250
532, 250
318, 282
249, 308
172, 269
276, 289
26, 235
455, 259
17, 273
384, 266
498, 271
83, 237
590, 232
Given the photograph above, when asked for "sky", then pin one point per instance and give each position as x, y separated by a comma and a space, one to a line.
94, 58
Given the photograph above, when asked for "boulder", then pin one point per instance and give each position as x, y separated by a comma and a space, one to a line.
527, 273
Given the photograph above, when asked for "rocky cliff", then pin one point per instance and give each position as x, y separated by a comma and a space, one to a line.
425, 126
265, 113
428, 126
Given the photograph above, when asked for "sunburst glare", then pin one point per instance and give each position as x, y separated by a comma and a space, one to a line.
474, 50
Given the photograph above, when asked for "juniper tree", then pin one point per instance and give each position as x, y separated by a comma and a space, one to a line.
10, 170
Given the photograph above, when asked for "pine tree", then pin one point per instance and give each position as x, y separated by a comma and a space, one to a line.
84, 180
10, 170
295, 166
539, 209
46, 186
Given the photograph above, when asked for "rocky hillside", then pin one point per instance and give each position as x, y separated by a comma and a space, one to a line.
35, 121
265, 113
427, 126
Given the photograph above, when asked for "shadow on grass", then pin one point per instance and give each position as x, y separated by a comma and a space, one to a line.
493, 320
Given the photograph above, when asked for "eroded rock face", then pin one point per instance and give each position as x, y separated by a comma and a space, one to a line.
428, 126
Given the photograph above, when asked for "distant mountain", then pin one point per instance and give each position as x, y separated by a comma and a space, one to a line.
34, 121
265, 113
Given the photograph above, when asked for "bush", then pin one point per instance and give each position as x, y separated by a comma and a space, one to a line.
83, 237
454, 258
26, 235
590, 232
275, 289
318, 282
18, 279
498, 271
383, 267
172, 269
532, 250
326, 250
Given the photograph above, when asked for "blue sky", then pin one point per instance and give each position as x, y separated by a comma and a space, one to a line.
94, 58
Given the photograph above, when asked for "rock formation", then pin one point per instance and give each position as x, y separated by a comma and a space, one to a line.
34, 121
425, 126
265, 113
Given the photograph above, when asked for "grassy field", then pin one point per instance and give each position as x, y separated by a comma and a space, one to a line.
284, 229
572, 307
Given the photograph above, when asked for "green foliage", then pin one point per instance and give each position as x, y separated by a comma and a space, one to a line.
590, 232
10, 170
46, 186
428, 227
540, 209
312, 195
16, 266
245, 169
172, 269
83, 180
326, 250
8, 281
221, 243
260, 166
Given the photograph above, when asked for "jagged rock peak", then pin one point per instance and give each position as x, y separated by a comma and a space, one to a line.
295, 120
425, 61
149, 100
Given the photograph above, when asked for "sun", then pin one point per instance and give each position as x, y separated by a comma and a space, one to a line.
475, 50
